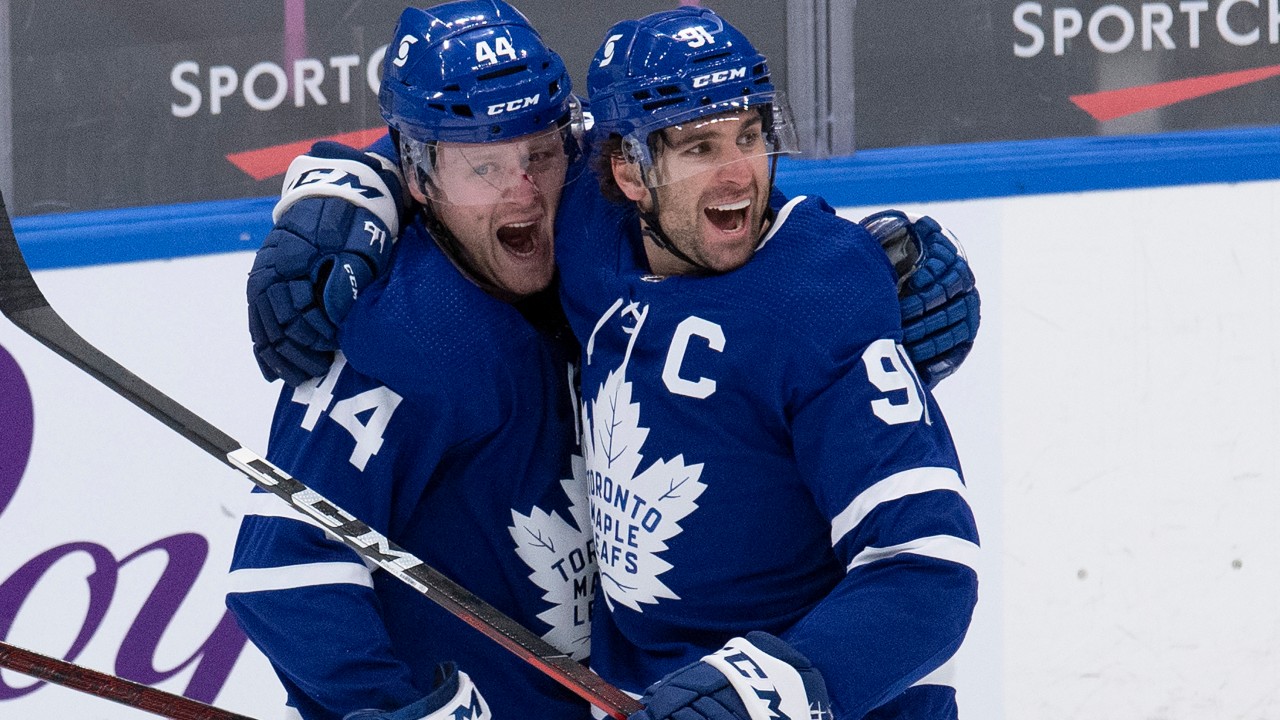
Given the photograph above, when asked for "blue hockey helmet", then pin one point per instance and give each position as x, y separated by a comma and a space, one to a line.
674, 67
473, 71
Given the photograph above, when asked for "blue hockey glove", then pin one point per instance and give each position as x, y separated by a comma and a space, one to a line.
750, 678
936, 290
454, 697
335, 225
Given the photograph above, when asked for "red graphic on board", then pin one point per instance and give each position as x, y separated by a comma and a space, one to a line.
271, 161
1112, 104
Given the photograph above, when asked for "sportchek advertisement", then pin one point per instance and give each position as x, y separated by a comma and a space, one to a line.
972, 71
119, 104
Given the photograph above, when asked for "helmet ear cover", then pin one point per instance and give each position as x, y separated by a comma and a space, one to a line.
416, 171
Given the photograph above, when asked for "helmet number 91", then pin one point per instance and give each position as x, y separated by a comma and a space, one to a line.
696, 36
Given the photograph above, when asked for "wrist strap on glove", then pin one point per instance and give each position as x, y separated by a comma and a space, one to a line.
332, 170
455, 697
770, 686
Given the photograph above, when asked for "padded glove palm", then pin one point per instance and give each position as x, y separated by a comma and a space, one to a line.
941, 308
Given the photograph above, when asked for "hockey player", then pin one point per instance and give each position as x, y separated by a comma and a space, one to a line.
777, 503
446, 421
322, 241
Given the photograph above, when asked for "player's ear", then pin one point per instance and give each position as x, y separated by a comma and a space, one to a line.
627, 175
415, 190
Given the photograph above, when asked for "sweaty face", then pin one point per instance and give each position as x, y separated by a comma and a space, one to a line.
712, 207
499, 200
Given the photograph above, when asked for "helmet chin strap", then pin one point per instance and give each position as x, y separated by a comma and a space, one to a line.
651, 228
452, 249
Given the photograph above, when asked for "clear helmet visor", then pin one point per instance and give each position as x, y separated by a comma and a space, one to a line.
751, 128
494, 172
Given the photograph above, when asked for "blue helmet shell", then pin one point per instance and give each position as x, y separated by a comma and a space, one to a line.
665, 66
471, 71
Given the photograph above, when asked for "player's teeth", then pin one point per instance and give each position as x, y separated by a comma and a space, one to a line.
741, 204
521, 225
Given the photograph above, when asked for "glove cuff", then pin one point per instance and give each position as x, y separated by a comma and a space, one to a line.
356, 181
768, 686
465, 701
455, 696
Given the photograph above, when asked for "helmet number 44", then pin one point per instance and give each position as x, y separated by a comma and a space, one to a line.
486, 53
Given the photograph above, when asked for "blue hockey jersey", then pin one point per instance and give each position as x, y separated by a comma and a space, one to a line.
761, 456
447, 425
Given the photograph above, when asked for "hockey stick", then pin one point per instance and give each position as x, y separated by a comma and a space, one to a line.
110, 687
23, 303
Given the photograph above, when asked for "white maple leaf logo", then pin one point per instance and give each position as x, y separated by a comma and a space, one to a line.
633, 513
563, 565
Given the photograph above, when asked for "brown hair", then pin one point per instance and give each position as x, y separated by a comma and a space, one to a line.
602, 162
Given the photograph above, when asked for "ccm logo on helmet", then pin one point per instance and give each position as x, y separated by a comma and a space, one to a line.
719, 76
514, 105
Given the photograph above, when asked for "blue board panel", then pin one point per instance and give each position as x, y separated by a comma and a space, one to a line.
870, 177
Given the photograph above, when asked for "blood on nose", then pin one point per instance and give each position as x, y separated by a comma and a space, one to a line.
523, 186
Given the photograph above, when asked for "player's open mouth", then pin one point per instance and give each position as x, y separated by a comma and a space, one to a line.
729, 218
520, 238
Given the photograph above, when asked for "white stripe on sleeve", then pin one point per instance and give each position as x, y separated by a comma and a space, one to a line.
942, 547
265, 504
898, 485
944, 674
298, 576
